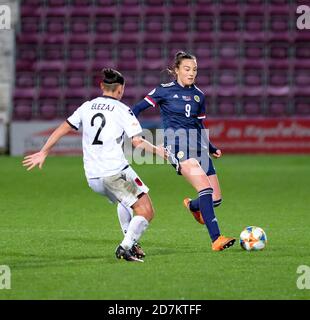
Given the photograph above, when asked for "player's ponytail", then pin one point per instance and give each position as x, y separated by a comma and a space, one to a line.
111, 76
178, 58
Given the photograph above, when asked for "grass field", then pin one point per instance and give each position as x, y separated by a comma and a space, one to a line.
58, 237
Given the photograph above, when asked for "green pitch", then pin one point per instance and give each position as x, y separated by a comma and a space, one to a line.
58, 237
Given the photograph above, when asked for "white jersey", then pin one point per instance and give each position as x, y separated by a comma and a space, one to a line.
104, 121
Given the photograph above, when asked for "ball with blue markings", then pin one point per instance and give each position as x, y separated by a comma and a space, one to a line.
253, 238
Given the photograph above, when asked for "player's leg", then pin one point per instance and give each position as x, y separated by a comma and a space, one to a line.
193, 204
195, 175
125, 215
144, 213
217, 194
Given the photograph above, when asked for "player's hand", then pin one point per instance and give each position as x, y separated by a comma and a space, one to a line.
33, 160
217, 153
162, 152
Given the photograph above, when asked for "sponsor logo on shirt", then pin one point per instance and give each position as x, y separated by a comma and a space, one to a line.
176, 96
187, 98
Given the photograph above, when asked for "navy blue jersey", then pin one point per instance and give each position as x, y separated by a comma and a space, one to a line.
180, 107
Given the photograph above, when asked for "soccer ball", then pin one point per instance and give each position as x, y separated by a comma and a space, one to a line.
253, 238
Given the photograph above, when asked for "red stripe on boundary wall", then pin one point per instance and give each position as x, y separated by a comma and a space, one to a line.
260, 135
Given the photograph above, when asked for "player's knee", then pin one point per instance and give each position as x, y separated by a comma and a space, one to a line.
217, 203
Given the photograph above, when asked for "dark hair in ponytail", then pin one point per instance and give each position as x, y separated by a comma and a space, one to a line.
111, 76
178, 58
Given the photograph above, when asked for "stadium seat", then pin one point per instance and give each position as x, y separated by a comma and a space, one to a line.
254, 50
226, 107
56, 3
252, 106
50, 79
80, 24
276, 107
229, 23
278, 23
78, 53
228, 50
76, 80
48, 111
22, 111
254, 26
302, 106
301, 78
253, 82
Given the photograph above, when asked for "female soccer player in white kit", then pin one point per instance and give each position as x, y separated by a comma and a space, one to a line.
105, 120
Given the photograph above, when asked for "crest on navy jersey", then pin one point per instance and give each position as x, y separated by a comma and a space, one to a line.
176, 96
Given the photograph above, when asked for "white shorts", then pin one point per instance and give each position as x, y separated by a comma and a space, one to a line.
124, 187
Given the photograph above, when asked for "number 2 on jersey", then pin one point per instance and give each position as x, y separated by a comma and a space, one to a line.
92, 122
188, 110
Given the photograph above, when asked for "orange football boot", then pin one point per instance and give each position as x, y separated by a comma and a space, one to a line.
197, 214
222, 243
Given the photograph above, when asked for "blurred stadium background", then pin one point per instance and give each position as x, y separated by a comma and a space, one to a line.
254, 66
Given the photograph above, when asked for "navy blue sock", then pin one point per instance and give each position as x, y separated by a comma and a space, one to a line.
194, 204
207, 211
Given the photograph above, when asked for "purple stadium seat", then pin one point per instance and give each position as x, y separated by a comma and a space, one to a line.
154, 24
227, 78
55, 24
104, 22
48, 111
80, 25
27, 52
56, 3
75, 80
204, 23
179, 26
229, 23
82, 3
130, 23
302, 106
254, 23
25, 80
252, 106
77, 53
22, 111
226, 107
155, 3
254, 50
49, 80
277, 108
153, 58
32, 3
278, 23
228, 50
55, 51
31, 24
279, 50
253, 81
127, 58
302, 78
302, 50
278, 78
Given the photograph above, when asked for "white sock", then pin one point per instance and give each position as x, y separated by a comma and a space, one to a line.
125, 215
137, 226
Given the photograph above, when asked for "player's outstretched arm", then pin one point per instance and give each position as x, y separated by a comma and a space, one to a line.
37, 159
139, 142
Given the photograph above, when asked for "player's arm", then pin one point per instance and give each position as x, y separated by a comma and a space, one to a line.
37, 159
140, 142
216, 152
139, 107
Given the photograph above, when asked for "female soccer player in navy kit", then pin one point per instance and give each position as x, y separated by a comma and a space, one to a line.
182, 109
